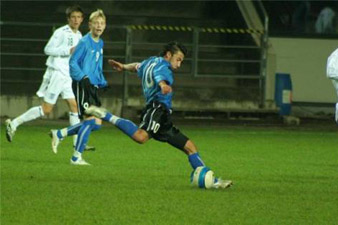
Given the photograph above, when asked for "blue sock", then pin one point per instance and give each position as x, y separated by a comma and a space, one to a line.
69, 131
195, 160
96, 127
107, 117
73, 129
83, 135
126, 126
58, 134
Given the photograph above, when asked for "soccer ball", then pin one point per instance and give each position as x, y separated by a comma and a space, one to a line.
202, 177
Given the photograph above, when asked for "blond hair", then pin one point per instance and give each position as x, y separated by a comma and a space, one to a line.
95, 14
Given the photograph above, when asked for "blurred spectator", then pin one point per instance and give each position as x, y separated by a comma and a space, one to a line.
326, 21
300, 16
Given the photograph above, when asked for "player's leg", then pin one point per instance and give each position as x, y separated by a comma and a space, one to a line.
31, 114
88, 125
88, 96
44, 84
53, 90
180, 141
47, 108
72, 130
126, 126
68, 95
73, 115
74, 118
58, 135
12, 125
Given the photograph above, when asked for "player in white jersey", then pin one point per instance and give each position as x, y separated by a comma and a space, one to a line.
332, 74
56, 80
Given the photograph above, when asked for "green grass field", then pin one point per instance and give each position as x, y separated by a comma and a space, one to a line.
281, 176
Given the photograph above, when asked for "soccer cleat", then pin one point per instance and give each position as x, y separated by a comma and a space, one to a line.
89, 148
96, 111
79, 162
9, 130
55, 140
219, 183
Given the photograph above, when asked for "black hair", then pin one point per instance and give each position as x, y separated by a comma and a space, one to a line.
173, 47
74, 8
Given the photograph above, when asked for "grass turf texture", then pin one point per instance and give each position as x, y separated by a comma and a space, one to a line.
281, 176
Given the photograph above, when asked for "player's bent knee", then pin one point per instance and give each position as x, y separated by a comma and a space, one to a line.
190, 147
47, 112
98, 121
47, 108
179, 141
141, 136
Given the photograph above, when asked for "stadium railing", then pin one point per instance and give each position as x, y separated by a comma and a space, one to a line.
218, 55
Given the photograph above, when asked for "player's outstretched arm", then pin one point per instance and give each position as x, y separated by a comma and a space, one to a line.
120, 66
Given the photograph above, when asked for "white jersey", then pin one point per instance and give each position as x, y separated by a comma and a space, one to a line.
332, 65
58, 48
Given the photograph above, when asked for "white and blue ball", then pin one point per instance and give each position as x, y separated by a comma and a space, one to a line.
202, 177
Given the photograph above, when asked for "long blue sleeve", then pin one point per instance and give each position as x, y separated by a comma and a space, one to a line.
76, 62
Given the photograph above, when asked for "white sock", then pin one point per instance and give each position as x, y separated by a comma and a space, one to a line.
31, 114
77, 155
74, 119
64, 132
114, 119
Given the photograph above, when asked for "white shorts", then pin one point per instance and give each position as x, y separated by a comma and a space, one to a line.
55, 83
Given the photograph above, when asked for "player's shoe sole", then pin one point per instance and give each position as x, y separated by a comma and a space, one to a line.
96, 111
9, 130
223, 183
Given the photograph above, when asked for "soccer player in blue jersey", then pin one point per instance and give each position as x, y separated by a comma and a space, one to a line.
157, 78
86, 71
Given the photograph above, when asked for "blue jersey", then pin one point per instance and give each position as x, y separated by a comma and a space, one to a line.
152, 71
87, 60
